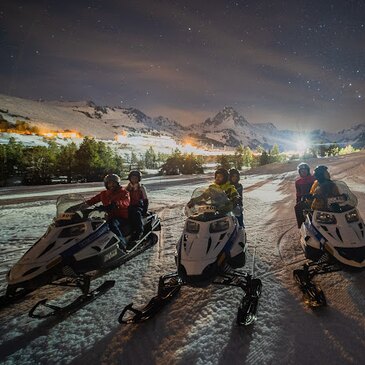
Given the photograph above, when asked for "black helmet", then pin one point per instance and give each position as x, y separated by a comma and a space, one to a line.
223, 172
111, 177
234, 172
134, 173
319, 173
304, 166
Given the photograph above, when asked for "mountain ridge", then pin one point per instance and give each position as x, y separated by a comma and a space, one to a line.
226, 128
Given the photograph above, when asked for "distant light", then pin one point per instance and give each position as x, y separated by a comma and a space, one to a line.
301, 146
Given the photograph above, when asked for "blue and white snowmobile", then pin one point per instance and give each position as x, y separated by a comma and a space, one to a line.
333, 239
74, 245
211, 247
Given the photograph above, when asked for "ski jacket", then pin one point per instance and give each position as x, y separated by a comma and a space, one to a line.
323, 191
138, 194
239, 189
230, 191
303, 186
118, 201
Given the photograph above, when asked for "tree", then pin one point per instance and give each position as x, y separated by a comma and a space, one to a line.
247, 156
11, 156
150, 159
39, 164
238, 157
191, 165
66, 162
96, 159
264, 158
223, 161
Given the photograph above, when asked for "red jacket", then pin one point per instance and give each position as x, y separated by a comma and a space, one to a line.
138, 195
303, 185
119, 197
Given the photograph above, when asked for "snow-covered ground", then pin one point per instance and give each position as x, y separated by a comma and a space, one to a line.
198, 327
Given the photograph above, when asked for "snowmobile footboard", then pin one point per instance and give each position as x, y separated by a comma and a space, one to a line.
77, 304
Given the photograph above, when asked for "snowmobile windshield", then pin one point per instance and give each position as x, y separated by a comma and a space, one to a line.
67, 201
208, 203
338, 197
346, 199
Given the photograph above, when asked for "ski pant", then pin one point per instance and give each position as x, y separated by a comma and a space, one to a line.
135, 214
116, 225
299, 207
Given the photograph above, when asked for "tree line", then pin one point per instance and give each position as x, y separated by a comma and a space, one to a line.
92, 160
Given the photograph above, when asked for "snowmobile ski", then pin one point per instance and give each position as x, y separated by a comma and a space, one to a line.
165, 294
313, 295
74, 306
247, 310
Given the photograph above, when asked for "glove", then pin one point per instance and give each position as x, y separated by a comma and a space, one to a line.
107, 208
190, 204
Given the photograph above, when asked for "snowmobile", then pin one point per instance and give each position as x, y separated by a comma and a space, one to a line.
76, 243
211, 247
332, 239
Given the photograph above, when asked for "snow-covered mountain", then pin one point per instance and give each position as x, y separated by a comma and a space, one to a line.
226, 128
87, 118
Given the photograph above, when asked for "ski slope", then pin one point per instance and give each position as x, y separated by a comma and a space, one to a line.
199, 326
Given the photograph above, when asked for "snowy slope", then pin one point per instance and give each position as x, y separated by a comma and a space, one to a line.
198, 327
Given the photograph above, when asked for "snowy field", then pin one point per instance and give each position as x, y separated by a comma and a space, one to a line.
199, 325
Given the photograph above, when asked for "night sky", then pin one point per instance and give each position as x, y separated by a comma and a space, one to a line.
297, 64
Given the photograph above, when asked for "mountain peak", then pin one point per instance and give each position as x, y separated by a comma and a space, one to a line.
228, 117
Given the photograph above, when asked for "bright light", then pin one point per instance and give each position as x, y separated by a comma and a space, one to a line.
301, 146
122, 138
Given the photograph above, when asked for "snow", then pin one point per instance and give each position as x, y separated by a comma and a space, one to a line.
198, 326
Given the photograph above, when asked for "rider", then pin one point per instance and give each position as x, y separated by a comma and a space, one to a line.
220, 183
234, 178
139, 204
115, 200
304, 182
323, 188
303, 185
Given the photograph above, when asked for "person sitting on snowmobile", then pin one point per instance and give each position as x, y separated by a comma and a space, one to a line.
115, 201
138, 205
234, 178
304, 182
221, 183
323, 188
303, 186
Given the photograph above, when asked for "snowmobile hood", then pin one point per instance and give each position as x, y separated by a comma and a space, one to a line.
57, 244
342, 235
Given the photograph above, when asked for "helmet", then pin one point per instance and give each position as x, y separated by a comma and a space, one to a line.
304, 166
223, 172
234, 172
320, 172
134, 173
111, 177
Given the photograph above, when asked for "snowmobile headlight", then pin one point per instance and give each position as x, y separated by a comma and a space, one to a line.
192, 227
352, 216
325, 218
219, 226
